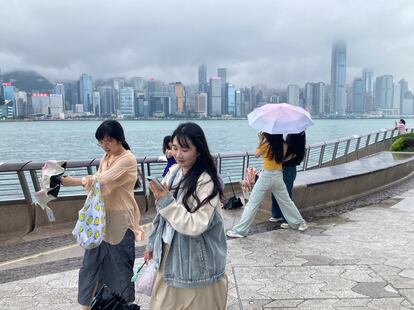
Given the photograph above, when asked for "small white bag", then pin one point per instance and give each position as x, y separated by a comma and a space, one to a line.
90, 227
145, 279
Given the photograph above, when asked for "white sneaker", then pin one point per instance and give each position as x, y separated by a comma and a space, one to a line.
234, 234
284, 226
275, 219
303, 226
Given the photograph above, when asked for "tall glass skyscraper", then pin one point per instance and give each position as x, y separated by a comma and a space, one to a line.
86, 89
338, 78
202, 78
358, 89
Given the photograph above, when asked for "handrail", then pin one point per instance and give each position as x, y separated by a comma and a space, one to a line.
19, 180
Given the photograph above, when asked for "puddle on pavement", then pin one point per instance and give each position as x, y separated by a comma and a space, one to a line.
334, 220
387, 203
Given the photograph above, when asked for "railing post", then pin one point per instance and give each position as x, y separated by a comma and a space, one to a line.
367, 142
35, 180
357, 147
219, 162
244, 166
89, 169
335, 151
321, 155
348, 142
306, 160
376, 141
25, 187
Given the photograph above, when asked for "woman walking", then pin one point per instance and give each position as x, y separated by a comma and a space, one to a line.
272, 148
188, 243
296, 144
112, 261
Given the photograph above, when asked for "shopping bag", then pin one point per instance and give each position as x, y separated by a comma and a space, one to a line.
90, 227
233, 202
145, 278
250, 178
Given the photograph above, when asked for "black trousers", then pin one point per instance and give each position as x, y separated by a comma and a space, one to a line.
108, 264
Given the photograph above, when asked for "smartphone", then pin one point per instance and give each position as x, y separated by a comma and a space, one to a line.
154, 179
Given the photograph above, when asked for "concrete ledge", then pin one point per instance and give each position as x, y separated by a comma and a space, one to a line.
326, 187
314, 189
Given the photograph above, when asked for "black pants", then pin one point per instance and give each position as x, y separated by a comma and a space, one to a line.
108, 264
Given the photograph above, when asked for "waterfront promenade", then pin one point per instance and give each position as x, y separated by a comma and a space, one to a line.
358, 259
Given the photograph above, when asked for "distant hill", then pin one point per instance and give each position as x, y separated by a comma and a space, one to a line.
28, 81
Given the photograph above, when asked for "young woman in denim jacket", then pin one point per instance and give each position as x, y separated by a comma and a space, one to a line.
188, 243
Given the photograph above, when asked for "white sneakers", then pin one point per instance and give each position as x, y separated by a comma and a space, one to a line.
234, 234
275, 219
301, 227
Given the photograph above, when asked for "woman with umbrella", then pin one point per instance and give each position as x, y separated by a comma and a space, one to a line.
274, 120
296, 144
272, 148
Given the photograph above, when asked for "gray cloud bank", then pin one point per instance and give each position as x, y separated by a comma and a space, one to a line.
273, 42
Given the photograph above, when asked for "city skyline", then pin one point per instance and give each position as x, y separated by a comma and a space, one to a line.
269, 46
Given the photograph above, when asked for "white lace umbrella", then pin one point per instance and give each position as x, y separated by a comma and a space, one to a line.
280, 118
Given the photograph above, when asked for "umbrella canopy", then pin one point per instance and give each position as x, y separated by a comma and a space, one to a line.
280, 118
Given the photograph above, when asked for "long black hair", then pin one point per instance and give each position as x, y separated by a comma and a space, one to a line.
191, 132
112, 129
296, 145
166, 141
275, 143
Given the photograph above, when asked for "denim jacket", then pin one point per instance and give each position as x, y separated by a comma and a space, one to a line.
197, 253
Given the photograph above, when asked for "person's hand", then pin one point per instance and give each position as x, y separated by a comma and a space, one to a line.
157, 191
67, 181
147, 255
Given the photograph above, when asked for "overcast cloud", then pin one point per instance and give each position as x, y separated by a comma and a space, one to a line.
260, 42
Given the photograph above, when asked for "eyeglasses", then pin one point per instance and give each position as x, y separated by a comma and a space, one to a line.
103, 143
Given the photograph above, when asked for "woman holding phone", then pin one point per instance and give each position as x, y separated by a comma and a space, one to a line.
187, 242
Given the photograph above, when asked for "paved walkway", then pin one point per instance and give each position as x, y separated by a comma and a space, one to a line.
362, 259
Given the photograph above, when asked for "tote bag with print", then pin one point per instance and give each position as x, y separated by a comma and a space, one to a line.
90, 227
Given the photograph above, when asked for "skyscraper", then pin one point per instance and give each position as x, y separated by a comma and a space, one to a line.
214, 97
368, 90
222, 73
308, 95
338, 78
85, 89
117, 85
60, 89
358, 90
96, 103
126, 101
200, 105
383, 92
202, 78
138, 83
230, 107
293, 92
178, 98
107, 100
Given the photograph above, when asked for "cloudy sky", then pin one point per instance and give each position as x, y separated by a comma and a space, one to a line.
273, 42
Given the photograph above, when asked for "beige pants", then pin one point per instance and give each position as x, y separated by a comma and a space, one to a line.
164, 297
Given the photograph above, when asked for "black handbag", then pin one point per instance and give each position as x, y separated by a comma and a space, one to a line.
106, 299
233, 202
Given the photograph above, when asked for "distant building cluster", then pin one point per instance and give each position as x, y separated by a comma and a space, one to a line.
214, 96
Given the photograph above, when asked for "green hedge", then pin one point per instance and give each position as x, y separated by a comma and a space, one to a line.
403, 143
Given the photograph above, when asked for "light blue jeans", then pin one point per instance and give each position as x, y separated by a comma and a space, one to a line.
269, 180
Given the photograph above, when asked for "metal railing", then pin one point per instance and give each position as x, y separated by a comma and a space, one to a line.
18, 181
